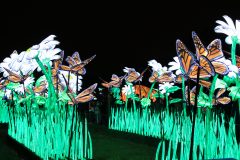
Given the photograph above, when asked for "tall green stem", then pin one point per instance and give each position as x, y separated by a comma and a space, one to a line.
233, 49
212, 90
184, 96
51, 91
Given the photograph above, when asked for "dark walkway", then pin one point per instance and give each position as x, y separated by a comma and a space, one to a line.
107, 145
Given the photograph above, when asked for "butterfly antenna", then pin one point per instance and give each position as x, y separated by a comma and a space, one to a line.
102, 79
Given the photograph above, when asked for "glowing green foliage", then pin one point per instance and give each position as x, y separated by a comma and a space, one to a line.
175, 100
116, 92
222, 83
145, 102
229, 81
12, 86
234, 92
40, 100
172, 89
63, 97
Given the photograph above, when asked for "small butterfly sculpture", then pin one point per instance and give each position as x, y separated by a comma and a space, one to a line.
84, 96
133, 76
203, 99
142, 91
164, 77
115, 81
75, 64
13, 77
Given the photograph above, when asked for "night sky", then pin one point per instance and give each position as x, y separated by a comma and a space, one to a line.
119, 34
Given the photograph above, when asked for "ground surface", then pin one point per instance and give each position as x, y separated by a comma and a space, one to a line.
107, 145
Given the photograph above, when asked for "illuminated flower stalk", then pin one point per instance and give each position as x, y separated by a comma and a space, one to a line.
233, 34
163, 88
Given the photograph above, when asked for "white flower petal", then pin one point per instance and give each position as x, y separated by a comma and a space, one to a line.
230, 22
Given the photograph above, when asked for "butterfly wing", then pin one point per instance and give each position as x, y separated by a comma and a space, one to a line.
71, 62
87, 91
132, 76
220, 67
166, 77
115, 78
80, 67
65, 68
13, 77
223, 100
215, 50
220, 92
200, 49
153, 77
186, 58
206, 69
85, 98
76, 58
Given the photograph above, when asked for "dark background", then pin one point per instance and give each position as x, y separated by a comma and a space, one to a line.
119, 34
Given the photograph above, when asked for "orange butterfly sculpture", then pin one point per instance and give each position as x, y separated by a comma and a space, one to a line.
165, 77
217, 99
132, 75
85, 96
75, 64
115, 81
190, 65
142, 91
13, 77
213, 53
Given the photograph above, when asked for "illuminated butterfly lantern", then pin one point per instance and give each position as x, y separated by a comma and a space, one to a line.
75, 64
164, 77
190, 65
132, 75
213, 53
83, 97
115, 81
14, 77
203, 99
142, 92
